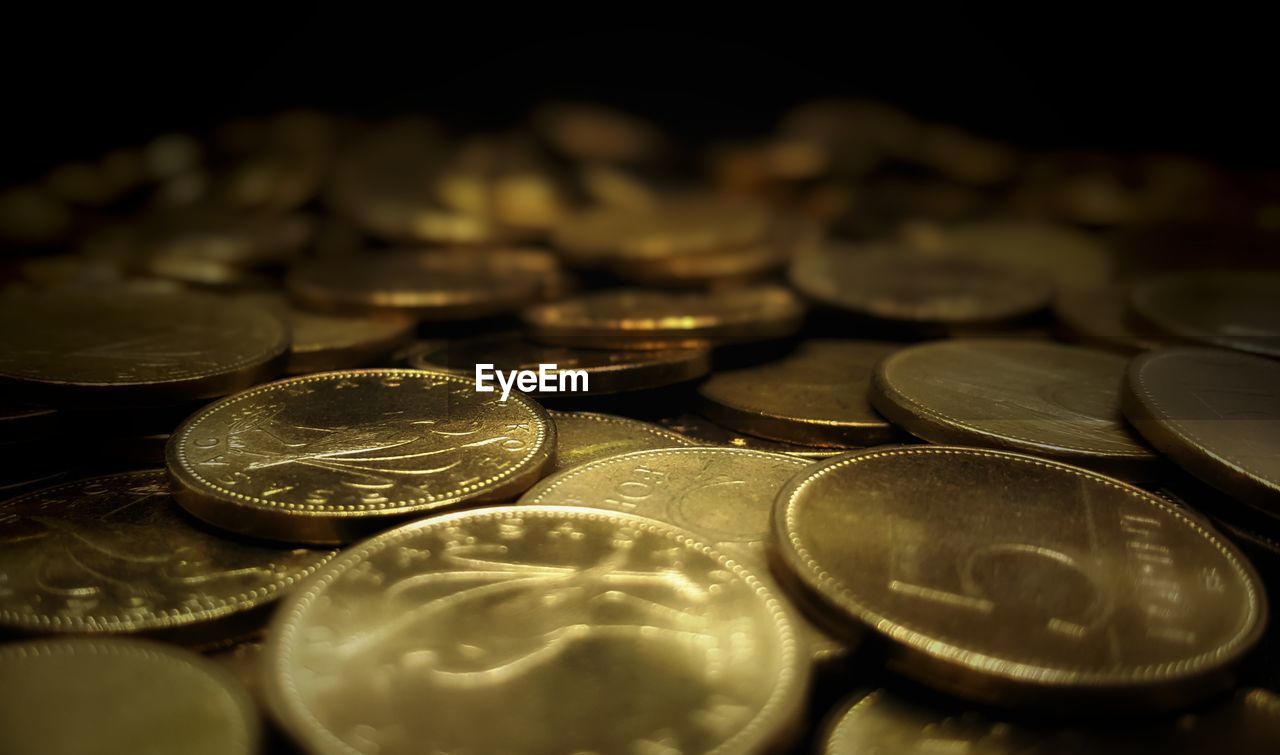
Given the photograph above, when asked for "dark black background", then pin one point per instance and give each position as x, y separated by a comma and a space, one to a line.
76, 85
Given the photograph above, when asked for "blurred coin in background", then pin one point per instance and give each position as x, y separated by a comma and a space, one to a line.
1231, 309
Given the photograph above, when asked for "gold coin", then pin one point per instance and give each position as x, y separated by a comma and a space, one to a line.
815, 396
120, 697
909, 288
115, 554
327, 458
597, 134
1021, 581
1100, 318
883, 722
704, 432
336, 342
636, 319
608, 371
441, 284
1215, 413
1231, 309
134, 347
535, 629
1070, 257
1061, 402
236, 239
586, 436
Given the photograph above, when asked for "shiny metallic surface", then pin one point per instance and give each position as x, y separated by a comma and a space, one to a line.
583, 437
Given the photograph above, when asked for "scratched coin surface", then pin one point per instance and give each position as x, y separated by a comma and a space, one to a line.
639, 319
817, 395
608, 371
906, 288
1230, 309
535, 629
881, 721
585, 436
139, 347
326, 458
1216, 413
120, 697
115, 554
1021, 581
1057, 401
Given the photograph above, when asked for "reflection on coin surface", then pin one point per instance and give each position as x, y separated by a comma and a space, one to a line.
1231, 309
637, 319
119, 697
440, 284
1100, 317
704, 432
608, 371
884, 722
908, 288
327, 457
587, 436
330, 342
1062, 402
115, 554
1215, 413
1021, 581
816, 396
538, 629
136, 347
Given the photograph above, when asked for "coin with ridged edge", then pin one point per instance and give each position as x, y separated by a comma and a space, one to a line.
1020, 581
120, 697
329, 457
535, 629
115, 555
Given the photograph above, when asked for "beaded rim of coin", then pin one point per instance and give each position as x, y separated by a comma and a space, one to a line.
301, 522
191, 662
1181, 442
186, 624
1125, 455
1168, 303
773, 720
929, 656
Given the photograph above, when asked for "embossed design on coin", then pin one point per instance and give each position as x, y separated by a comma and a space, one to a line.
537, 629
1017, 580
119, 697
1052, 400
327, 457
115, 554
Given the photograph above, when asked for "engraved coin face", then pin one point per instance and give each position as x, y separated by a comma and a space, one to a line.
136, 347
638, 319
1017, 580
817, 395
115, 554
586, 436
609, 371
1062, 402
1230, 309
328, 457
538, 629
120, 697
1214, 412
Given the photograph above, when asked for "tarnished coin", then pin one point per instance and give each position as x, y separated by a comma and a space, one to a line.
115, 554
607, 371
440, 284
637, 319
586, 436
1215, 413
120, 697
1061, 402
883, 722
535, 629
902, 287
1021, 581
328, 457
136, 348
815, 396
704, 432
1100, 318
1231, 309
337, 342
1072, 258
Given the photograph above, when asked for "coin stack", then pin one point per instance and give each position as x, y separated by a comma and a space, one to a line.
882, 437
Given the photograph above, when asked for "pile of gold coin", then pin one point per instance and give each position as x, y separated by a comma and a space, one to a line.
869, 435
